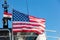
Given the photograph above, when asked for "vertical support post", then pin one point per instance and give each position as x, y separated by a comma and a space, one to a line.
5, 23
5, 20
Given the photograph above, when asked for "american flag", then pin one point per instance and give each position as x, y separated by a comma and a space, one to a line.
26, 23
7, 15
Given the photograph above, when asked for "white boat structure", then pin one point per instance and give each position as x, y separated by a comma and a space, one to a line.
8, 35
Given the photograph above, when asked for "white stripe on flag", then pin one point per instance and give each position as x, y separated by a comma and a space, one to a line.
22, 26
29, 23
10, 16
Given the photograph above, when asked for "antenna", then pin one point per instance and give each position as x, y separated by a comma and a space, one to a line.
27, 7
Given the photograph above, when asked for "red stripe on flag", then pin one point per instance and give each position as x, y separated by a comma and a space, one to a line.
6, 13
28, 30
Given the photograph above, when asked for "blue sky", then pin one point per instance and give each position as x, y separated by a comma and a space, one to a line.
48, 9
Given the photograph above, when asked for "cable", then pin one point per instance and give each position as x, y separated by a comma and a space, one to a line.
27, 7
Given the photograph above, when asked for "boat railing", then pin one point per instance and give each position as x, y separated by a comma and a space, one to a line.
5, 34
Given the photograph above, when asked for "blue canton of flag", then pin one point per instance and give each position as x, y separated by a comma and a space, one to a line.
17, 16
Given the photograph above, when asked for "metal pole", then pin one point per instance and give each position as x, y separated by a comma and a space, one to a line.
51, 30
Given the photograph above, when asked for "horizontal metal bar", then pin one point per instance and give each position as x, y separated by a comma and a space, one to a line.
26, 35
53, 37
51, 30
5, 30
4, 36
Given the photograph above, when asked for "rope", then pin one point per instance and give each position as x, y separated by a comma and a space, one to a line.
27, 7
